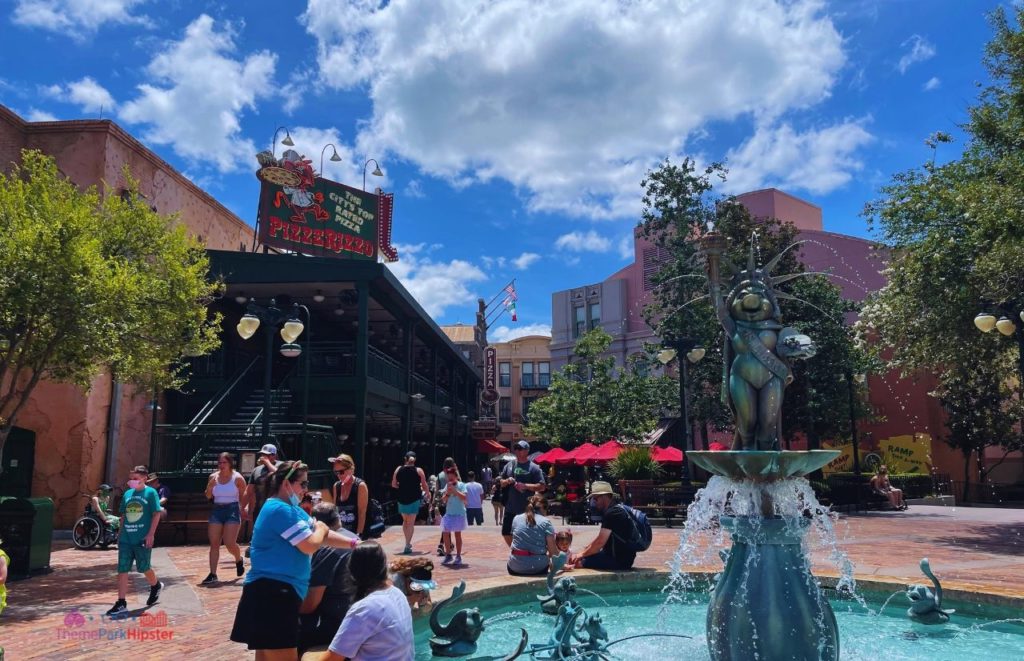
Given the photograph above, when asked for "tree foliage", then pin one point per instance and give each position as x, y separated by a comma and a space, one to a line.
680, 205
957, 235
588, 400
91, 281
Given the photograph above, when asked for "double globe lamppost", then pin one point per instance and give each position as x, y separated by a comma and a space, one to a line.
693, 352
986, 322
270, 317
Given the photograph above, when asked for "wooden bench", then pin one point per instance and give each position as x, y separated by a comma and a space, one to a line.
851, 494
660, 501
186, 510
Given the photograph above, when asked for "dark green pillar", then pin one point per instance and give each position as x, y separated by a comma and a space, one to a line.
362, 372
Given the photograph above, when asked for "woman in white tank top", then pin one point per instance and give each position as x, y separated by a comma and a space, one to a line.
225, 489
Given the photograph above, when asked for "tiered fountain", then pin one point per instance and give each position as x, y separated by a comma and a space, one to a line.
765, 604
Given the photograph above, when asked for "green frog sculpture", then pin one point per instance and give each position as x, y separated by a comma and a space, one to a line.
926, 605
758, 347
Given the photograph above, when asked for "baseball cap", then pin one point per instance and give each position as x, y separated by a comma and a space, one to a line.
152, 477
410, 455
421, 578
600, 488
522, 445
269, 448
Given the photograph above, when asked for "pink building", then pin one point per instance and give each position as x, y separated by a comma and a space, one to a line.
903, 406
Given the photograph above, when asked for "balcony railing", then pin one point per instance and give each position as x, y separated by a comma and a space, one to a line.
422, 386
385, 369
330, 359
444, 398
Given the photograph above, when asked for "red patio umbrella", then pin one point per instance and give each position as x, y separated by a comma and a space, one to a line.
570, 457
718, 447
605, 452
582, 455
669, 455
551, 456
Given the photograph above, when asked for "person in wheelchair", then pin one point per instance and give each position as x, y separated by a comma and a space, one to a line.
97, 526
99, 505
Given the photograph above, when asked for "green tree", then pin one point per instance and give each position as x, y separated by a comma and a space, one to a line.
589, 400
91, 282
956, 232
679, 206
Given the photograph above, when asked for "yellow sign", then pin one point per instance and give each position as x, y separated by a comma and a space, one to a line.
908, 453
841, 464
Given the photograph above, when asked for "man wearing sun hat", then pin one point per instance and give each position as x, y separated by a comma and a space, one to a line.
609, 550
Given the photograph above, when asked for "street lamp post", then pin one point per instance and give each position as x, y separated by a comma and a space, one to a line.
986, 322
850, 380
376, 170
693, 352
272, 318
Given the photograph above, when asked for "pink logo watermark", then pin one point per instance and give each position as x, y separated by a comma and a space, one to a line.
140, 627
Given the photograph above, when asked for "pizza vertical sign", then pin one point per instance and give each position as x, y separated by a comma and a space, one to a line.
489, 394
304, 213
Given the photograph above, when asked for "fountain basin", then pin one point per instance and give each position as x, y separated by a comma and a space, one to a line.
761, 466
638, 605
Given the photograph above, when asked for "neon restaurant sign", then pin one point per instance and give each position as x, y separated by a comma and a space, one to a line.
305, 213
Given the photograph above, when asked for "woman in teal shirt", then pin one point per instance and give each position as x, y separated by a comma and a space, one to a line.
283, 539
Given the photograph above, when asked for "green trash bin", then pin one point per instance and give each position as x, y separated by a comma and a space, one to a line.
26, 526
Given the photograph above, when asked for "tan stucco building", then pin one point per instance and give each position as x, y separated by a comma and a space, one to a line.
524, 374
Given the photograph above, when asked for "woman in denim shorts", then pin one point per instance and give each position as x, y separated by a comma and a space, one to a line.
225, 488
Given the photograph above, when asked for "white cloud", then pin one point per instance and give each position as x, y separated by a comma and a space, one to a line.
414, 189
75, 18
524, 261
198, 95
590, 241
86, 93
436, 285
596, 92
36, 115
507, 334
625, 247
933, 84
817, 161
918, 48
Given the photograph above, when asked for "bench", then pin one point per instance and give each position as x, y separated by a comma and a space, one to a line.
851, 494
660, 501
185, 510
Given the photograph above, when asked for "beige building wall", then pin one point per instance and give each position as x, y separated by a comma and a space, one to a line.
534, 351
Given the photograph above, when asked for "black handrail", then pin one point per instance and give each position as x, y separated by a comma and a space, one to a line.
221, 395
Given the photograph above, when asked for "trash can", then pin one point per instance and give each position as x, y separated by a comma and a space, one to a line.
26, 527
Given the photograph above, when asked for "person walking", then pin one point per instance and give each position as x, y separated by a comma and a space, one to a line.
225, 488
487, 478
454, 520
351, 495
283, 539
378, 625
533, 540
256, 490
438, 495
140, 516
328, 599
474, 501
498, 495
411, 484
523, 478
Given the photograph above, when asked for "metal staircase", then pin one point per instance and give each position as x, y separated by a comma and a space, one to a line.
242, 432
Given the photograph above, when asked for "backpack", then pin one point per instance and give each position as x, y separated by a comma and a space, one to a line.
642, 535
375, 523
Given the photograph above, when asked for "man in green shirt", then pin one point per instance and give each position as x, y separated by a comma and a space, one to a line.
140, 515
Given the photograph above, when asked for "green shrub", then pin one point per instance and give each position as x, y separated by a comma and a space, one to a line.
635, 463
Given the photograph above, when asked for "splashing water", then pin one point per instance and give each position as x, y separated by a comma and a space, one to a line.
579, 589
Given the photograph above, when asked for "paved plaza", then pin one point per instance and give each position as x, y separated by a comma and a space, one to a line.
59, 615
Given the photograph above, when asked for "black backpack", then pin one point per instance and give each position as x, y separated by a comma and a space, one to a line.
643, 534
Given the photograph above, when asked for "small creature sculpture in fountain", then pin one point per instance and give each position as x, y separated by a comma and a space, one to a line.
560, 591
925, 605
758, 347
459, 636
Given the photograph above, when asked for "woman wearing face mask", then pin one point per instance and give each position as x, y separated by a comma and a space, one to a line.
283, 540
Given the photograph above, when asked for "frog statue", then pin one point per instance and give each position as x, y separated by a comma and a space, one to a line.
758, 347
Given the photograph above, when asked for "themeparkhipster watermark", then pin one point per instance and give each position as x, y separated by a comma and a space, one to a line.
142, 627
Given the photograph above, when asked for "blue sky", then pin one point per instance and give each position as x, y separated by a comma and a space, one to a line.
514, 133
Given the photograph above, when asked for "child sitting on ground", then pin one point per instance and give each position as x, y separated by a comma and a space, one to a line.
563, 540
414, 577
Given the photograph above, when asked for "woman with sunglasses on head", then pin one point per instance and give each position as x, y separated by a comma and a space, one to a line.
351, 494
224, 488
283, 540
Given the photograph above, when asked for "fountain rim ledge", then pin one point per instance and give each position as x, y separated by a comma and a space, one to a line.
951, 589
761, 465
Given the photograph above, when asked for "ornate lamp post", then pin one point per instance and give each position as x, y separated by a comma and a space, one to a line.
287, 142
694, 352
376, 170
272, 318
1005, 324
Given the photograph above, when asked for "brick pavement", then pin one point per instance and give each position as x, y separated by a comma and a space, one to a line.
970, 549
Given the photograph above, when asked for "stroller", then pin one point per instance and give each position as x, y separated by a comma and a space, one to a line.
93, 528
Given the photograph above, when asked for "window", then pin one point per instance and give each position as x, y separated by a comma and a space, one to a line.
504, 375
580, 326
527, 403
595, 316
504, 410
527, 375
543, 374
